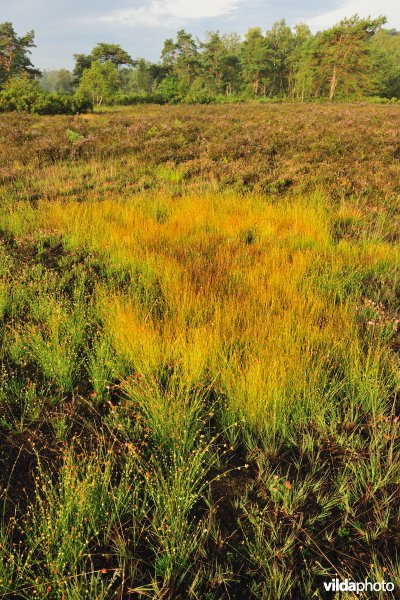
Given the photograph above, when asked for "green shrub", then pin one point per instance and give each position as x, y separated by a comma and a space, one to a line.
199, 97
24, 95
131, 99
380, 100
169, 90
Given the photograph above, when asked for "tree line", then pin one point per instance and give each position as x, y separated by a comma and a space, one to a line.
354, 59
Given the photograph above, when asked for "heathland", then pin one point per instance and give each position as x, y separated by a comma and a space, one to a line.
199, 360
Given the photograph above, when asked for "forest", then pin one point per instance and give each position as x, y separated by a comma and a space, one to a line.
356, 59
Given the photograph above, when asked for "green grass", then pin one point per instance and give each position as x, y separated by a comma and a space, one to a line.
199, 325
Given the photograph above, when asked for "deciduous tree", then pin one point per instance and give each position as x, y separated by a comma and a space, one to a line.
102, 53
99, 82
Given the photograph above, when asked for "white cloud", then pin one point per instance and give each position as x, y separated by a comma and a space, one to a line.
170, 12
364, 8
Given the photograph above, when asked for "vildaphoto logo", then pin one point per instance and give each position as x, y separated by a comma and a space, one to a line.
335, 585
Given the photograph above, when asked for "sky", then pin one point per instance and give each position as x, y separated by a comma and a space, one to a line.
65, 27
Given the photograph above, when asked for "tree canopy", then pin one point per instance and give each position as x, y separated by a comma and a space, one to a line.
99, 82
341, 56
356, 58
102, 53
14, 53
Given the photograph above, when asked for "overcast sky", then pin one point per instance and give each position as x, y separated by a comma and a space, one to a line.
65, 27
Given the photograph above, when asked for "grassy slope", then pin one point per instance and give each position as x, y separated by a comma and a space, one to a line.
199, 360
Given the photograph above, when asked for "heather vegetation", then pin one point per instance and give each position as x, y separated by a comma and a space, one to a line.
199, 359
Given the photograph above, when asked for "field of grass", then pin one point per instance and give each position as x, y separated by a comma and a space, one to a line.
199, 360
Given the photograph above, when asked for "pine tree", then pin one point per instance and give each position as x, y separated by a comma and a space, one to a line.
341, 55
255, 61
14, 53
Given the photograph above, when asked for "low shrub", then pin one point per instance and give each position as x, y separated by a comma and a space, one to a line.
132, 99
199, 97
24, 95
